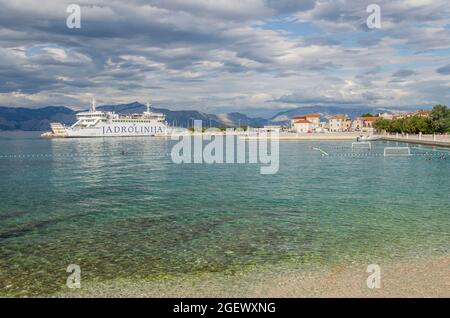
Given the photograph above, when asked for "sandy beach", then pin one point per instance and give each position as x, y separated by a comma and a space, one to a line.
421, 278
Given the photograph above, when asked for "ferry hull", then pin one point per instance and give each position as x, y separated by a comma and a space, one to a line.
121, 130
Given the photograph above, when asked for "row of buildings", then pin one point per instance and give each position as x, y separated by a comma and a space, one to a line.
335, 123
310, 123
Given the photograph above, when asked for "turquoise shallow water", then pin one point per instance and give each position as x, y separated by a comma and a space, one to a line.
137, 215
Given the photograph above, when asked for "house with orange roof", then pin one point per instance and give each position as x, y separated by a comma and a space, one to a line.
364, 124
368, 123
303, 126
306, 123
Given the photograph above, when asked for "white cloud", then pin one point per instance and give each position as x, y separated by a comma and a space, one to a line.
219, 55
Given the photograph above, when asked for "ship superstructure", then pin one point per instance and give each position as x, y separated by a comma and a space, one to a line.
94, 123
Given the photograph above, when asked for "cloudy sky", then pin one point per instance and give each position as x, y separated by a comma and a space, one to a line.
253, 56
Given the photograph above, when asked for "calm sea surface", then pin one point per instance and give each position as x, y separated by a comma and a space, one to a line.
120, 208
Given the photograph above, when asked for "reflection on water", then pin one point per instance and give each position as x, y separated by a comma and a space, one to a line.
121, 208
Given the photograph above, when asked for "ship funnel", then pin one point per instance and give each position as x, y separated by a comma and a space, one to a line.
148, 107
93, 105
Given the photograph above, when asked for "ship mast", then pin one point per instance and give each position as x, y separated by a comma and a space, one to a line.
148, 107
93, 105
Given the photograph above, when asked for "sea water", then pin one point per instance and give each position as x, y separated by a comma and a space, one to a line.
120, 208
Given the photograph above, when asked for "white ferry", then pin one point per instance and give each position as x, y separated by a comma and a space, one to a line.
95, 123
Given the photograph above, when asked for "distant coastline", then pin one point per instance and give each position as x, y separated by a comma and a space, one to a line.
39, 119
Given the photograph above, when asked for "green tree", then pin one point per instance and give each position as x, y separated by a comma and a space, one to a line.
418, 124
437, 122
382, 124
440, 119
398, 125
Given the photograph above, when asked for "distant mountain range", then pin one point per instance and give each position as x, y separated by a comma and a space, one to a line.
12, 118
39, 119
184, 118
34, 119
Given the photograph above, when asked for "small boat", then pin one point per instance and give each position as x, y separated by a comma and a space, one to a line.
47, 135
366, 138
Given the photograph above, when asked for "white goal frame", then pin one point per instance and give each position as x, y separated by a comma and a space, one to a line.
366, 145
399, 154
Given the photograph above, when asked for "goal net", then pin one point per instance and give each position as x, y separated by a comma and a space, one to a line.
397, 151
361, 145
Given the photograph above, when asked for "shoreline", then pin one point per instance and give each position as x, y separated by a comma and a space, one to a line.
336, 136
310, 137
403, 278
417, 141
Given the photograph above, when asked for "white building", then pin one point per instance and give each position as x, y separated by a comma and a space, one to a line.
323, 127
338, 122
303, 126
386, 116
306, 123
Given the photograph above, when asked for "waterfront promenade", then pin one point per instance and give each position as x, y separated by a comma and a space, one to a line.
312, 136
432, 140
